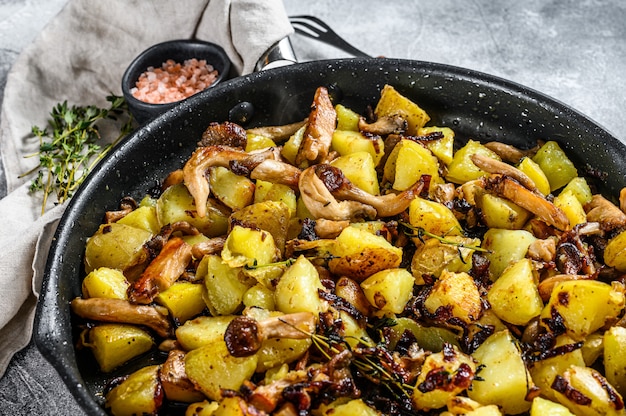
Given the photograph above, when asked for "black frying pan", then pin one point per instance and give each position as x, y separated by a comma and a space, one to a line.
475, 105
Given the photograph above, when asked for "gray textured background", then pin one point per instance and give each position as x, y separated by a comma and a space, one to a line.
573, 50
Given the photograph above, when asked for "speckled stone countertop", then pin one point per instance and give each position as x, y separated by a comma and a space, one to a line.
574, 51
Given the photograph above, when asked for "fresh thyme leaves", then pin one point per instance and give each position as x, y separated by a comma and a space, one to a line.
69, 148
419, 233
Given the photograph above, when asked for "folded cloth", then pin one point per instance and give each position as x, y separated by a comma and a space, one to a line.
80, 57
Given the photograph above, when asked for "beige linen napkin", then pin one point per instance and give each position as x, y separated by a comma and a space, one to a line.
80, 57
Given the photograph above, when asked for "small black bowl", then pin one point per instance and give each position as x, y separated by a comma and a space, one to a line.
179, 51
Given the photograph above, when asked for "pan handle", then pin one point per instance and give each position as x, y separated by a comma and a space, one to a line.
279, 54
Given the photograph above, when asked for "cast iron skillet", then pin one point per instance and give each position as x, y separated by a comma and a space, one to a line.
474, 104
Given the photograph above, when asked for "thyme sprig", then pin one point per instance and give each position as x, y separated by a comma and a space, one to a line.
420, 233
69, 148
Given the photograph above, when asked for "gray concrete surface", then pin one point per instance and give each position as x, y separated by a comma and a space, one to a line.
572, 50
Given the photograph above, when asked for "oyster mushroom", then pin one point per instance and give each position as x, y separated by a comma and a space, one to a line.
224, 134
491, 165
385, 125
278, 133
385, 205
276, 171
319, 131
605, 212
322, 204
244, 335
122, 311
509, 153
211, 246
203, 158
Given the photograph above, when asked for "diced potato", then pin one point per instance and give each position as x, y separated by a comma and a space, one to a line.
347, 119
233, 406
393, 103
592, 348
139, 394
442, 148
257, 142
504, 379
354, 407
407, 163
297, 289
176, 204
201, 331
105, 282
586, 392
458, 371
116, 246
259, 296
389, 290
615, 358
458, 293
490, 410
346, 142
568, 202
501, 213
114, 344
615, 252
277, 351
360, 169
234, 191
225, 286
144, 217
432, 257
352, 331
359, 254
579, 187
514, 297
584, 306
543, 407
433, 217
291, 146
544, 371
534, 172
203, 408
277, 192
459, 405
555, 164
271, 216
184, 300
176, 384
505, 247
462, 169
211, 368
430, 338
249, 247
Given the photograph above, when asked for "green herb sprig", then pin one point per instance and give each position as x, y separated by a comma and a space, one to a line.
70, 149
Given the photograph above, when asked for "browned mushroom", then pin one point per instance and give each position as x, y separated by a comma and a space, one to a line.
211, 246
491, 165
542, 250
328, 228
174, 380
122, 311
224, 134
276, 171
164, 270
509, 153
385, 125
605, 212
244, 335
510, 189
319, 131
278, 133
127, 205
194, 171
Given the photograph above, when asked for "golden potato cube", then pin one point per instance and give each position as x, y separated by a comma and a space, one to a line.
139, 394
579, 187
568, 202
360, 169
211, 368
116, 246
291, 146
501, 213
391, 103
505, 247
514, 297
389, 290
276, 192
600, 398
458, 293
534, 172
434, 256
201, 331
429, 338
442, 148
584, 306
407, 163
257, 142
105, 282
451, 362
184, 300
347, 119
433, 217
277, 351
462, 169
543, 407
234, 191
615, 252
114, 344
340, 407
555, 164
249, 247
144, 217
297, 289
504, 379
203, 408
225, 286
259, 296
346, 142
615, 357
